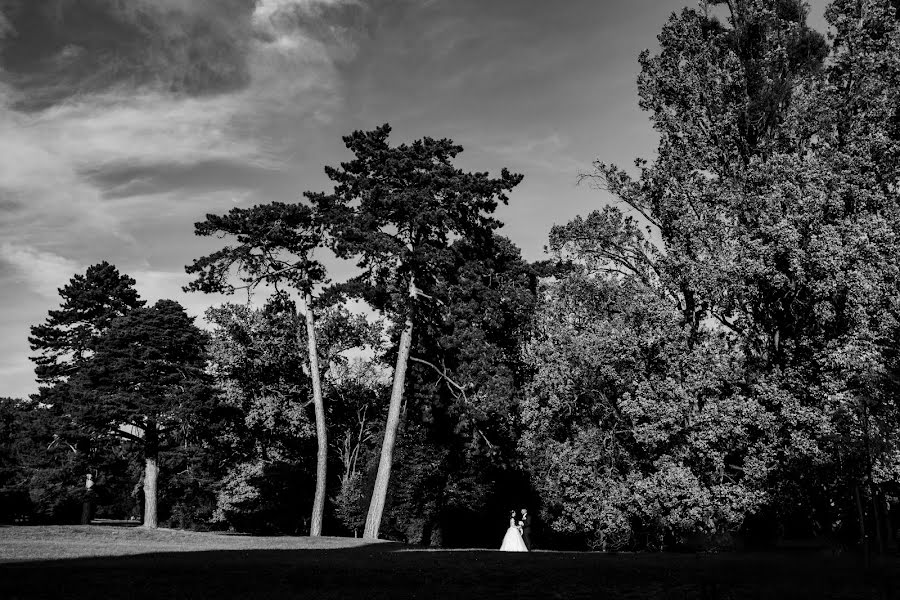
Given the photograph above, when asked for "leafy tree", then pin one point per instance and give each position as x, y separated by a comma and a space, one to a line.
358, 390
275, 246
256, 358
396, 210
256, 361
633, 434
145, 383
767, 222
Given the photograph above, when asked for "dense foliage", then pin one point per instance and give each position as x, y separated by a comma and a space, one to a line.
457, 469
55, 456
734, 338
146, 383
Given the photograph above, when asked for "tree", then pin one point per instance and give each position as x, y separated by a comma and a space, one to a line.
633, 434
275, 246
64, 343
257, 360
357, 387
145, 383
396, 209
14, 447
465, 387
90, 303
358, 390
767, 221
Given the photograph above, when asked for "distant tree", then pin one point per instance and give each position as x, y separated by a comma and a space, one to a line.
358, 390
275, 246
90, 303
145, 383
14, 476
64, 343
257, 360
396, 209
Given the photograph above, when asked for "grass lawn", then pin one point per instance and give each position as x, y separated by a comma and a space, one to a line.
129, 562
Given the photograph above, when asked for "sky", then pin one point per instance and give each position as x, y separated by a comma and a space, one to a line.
124, 122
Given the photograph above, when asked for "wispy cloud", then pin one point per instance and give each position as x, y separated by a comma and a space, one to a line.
110, 112
550, 153
43, 272
177, 108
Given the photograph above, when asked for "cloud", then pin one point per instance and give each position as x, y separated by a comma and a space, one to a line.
112, 110
64, 48
550, 153
92, 90
155, 285
43, 272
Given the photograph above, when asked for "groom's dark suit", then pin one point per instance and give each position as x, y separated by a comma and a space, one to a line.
526, 530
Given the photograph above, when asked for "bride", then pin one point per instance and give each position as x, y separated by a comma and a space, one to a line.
512, 541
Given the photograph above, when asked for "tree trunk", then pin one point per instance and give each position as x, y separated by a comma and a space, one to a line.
379, 494
863, 536
876, 511
87, 505
315, 528
151, 475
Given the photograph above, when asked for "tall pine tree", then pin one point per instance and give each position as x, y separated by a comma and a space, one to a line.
396, 210
145, 383
275, 246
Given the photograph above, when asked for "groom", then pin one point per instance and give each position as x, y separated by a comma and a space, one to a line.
525, 524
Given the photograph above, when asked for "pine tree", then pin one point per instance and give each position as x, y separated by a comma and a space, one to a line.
145, 383
396, 210
275, 246
90, 303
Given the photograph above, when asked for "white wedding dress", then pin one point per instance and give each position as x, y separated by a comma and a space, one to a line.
512, 541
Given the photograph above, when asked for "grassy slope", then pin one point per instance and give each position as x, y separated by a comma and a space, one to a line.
132, 563
81, 541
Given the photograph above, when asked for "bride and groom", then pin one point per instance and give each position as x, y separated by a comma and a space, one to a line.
518, 536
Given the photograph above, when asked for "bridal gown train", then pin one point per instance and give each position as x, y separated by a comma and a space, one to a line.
512, 541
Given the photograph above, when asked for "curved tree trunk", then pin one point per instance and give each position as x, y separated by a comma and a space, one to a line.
315, 528
379, 494
151, 473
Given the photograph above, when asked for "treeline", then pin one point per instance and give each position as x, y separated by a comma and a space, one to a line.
712, 357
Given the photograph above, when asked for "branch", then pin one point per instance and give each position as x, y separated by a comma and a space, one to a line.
57, 439
256, 281
604, 186
442, 374
417, 292
129, 436
721, 319
462, 390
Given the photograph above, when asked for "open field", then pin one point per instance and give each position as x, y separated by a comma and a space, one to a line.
122, 562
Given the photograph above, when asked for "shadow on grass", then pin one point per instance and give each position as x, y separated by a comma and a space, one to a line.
392, 571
